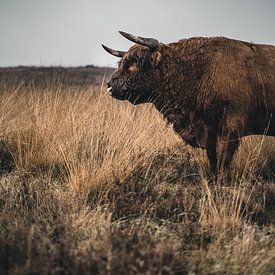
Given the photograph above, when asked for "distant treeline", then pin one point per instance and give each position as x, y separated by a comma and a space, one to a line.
45, 76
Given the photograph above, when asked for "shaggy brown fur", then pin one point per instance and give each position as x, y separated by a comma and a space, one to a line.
213, 90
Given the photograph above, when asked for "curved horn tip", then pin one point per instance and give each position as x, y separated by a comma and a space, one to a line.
113, 52
148, 42
129, 36
123, 33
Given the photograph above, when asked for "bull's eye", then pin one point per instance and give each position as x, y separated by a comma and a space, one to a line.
133, 68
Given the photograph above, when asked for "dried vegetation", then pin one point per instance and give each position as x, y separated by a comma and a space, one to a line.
90, 185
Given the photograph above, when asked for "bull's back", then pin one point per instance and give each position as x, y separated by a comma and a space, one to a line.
262, 75
244, 77
236, 74
262, 80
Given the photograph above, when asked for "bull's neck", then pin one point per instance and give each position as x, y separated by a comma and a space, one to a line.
180, 76
173, 93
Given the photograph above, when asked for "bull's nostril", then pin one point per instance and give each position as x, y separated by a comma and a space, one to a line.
109, 90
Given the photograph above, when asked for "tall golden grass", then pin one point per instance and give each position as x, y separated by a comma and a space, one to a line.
96, 138
102, 152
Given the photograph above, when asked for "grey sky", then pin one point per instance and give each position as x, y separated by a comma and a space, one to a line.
69, 33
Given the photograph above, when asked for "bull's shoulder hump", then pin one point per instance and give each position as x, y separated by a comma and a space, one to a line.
220, 41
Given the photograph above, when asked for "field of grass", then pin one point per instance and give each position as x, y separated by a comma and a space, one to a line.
91, 185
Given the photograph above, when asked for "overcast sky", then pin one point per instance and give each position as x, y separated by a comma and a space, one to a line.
69, 32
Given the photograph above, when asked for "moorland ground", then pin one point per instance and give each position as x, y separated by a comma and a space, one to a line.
91, 185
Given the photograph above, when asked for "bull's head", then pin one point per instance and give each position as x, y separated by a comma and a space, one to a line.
138, 70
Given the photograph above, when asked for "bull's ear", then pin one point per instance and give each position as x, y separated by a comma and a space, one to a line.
155, 58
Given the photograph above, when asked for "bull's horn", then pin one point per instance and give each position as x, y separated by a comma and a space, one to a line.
113, 52
148, 42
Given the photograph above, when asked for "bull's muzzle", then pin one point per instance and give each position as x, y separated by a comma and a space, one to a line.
115, 93
109, 90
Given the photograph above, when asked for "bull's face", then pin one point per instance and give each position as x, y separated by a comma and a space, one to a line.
135, 78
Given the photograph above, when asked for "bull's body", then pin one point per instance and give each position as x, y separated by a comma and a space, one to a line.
213, 90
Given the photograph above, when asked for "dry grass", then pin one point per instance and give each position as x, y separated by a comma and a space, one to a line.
91, 185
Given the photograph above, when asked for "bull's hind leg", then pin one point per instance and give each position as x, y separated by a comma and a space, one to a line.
225, 150
271, 128
228, 140
212, 157
221, 153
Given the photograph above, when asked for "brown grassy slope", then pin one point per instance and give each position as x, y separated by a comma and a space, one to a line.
91, 185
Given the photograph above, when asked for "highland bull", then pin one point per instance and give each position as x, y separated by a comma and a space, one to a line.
213, 90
